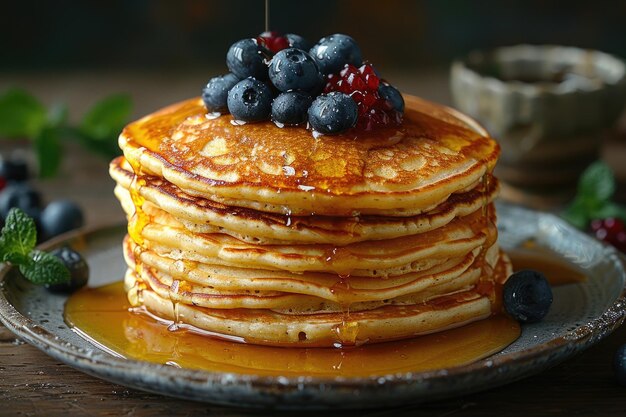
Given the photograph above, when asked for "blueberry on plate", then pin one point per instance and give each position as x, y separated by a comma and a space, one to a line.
297, 41
290, 108
294, 69
392, 95
333, 113
246, 58
76, 264
619, 365
20, 195
215, 94
61, 216
527, 296
334, 51
250, 100
14, 169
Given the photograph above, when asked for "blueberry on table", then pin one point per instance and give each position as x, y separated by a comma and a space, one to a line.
297, 41
291, 108
215, 93
76, 264
250, 100
527, 296
20, 195
392, 95
334, 51
619, 365
333, 113
246, 58
61, 216
13, 169
294, 69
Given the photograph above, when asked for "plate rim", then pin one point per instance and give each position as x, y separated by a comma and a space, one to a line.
106, 366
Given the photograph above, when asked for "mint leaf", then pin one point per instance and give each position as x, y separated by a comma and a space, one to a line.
19, 234
593, 197
597, 183
15, 258
576, 214
48, 151
105, 120
44, 268
609, 210
21, 115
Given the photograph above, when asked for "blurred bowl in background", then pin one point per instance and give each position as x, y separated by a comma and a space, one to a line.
548, 106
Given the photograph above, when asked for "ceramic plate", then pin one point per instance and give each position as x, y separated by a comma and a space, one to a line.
582, 314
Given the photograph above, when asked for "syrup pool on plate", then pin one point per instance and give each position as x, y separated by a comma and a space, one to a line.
103, 316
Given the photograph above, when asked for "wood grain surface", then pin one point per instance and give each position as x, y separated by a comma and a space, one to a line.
33, 384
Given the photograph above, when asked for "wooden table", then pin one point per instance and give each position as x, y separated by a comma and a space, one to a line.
33, 384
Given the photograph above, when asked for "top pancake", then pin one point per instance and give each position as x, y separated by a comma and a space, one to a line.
435, 152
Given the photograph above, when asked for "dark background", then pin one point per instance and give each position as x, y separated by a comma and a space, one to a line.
173, 35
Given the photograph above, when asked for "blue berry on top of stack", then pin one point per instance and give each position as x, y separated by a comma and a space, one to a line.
250, 100
246, 58
279, 78
215, 94
294, 69
335, 51
290, 109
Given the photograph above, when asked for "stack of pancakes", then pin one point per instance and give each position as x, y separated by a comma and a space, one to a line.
272, 236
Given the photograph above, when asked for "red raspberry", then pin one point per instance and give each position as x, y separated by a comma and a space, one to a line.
362, 86
610, 230
273, 41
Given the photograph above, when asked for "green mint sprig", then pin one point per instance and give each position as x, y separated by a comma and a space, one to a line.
17, 246
23, 116
596, 187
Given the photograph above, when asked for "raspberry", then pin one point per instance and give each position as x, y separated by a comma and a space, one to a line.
362, 84
610, 230
273, 41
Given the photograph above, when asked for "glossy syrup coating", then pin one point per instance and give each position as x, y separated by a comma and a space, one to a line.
434, 153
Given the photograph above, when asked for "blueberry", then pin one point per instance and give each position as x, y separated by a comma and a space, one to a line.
294, 69
392, 95
76, 264
14, 169
246, 58
20, 195
291, 108
297, 41
527, 296
333, 113
250, 100
335, 51
61, 216
215, 94
619, 365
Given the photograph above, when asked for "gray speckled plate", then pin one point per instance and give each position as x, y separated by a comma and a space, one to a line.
582, 314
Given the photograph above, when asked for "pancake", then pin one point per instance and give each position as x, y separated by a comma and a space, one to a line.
275, 237
213, 284
264, 326
205, 216
398, 171
377, 258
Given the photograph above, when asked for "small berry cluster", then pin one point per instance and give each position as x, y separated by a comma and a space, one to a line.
610, 230
379, 103
283, 79
15, 191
